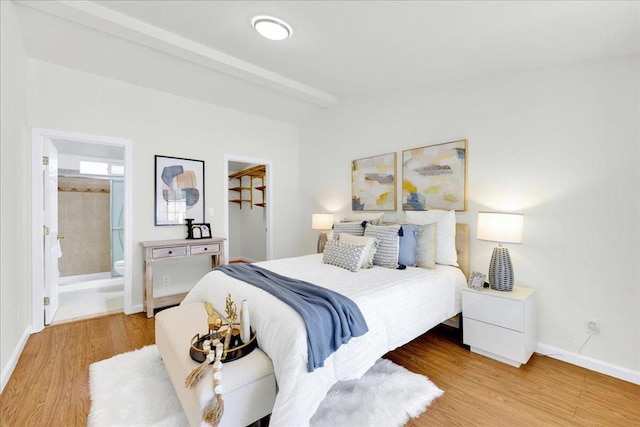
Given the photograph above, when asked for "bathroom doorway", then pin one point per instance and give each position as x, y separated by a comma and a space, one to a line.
91, 224
92, 217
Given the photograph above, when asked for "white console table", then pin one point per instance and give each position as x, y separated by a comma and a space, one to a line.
162, 250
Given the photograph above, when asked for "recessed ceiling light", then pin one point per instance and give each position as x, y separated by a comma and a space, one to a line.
272, 28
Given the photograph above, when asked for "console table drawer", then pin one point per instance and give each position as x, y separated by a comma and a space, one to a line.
169, 252
212, 248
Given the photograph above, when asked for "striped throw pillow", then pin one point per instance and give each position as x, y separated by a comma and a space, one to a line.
354, 228
388, 244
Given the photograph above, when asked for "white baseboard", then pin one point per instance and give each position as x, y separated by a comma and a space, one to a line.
13, 360
135, 309
589, 363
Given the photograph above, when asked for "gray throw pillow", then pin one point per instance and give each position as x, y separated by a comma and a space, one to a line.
426, 247
343, 255
354, 228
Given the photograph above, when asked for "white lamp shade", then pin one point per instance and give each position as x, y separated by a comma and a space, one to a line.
500, 227
321, 221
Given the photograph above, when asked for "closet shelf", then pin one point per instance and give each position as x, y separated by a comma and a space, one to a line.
256, 172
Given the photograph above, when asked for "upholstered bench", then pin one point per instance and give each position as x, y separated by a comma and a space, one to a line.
249, 385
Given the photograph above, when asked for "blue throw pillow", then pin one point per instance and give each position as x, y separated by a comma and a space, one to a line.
408, 244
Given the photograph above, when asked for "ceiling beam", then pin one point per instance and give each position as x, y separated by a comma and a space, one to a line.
118, 24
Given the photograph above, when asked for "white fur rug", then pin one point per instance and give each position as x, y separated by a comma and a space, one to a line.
133, 389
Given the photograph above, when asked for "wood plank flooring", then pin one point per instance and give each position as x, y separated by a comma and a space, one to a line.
544, 392
49, 386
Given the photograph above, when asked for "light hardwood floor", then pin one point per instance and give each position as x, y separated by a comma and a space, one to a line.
50, 384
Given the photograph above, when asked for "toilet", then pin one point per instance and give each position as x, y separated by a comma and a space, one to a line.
118, 266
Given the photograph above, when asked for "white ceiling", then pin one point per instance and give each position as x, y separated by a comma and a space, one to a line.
338, 49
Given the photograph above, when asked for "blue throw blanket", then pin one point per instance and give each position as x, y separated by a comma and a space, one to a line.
331, 319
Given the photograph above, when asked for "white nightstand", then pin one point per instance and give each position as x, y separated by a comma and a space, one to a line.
500, 325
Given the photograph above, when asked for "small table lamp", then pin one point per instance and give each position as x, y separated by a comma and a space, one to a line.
322, 221
500, 227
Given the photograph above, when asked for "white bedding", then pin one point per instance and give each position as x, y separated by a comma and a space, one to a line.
398, 306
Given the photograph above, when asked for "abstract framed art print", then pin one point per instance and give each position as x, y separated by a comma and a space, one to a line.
179, 190
435, 177
373, 183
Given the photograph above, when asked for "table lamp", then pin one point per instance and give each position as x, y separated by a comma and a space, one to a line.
500, 227
322, 221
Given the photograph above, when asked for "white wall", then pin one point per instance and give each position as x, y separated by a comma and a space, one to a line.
15, 263
247, 231
254, 232
559, 145
160, 123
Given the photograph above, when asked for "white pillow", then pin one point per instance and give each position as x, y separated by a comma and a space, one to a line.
446, 233
370, 242
374, 217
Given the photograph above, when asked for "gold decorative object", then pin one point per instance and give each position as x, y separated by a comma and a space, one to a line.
231, 309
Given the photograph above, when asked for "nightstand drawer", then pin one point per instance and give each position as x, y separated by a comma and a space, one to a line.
212, 248
169, 252
508, 313
494, 339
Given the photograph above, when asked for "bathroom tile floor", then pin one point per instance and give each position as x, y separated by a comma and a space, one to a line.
85, 303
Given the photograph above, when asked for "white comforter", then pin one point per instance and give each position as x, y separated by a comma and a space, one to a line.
398, 305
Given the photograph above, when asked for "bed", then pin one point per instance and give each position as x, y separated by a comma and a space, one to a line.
398, 306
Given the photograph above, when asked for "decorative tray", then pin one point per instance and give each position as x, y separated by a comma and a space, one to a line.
236, 350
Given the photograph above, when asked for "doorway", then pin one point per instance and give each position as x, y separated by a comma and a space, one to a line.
81, 270
248, 209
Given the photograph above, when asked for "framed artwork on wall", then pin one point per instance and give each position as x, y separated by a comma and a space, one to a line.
179, 190
373, 183
435, 177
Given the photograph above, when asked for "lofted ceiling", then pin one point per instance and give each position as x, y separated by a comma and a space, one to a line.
207, 50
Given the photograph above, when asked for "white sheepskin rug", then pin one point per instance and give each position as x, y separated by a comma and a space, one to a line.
387, 395
133, 389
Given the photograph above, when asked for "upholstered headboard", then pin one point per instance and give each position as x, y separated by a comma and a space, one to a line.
462, 247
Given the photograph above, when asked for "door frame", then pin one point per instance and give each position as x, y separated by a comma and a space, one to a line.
38, 135
269, 193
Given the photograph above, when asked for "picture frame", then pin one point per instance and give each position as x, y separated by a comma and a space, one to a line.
435, 177
373, 183
476, 280
199, 231
179, 190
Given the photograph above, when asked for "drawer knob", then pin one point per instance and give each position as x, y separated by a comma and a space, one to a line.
170, 252
205, 249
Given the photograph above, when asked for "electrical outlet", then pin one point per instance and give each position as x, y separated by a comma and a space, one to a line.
166, 280
593, 326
